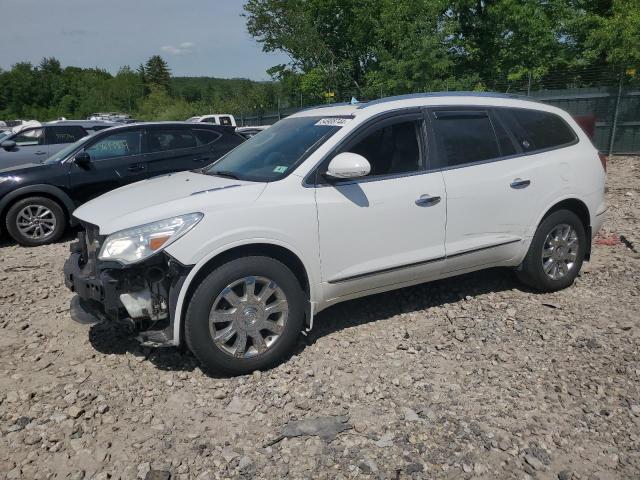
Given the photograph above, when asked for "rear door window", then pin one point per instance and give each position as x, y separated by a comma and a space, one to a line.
225, 121
32, 136
170, 139
464, 136
120, 144
535, 130
66, 134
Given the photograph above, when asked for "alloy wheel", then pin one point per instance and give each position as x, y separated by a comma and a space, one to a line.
36, 222
560, 251
248, 317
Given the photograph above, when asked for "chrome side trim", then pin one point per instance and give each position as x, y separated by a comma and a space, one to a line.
474, 250
418, 264
385, 270
216, 189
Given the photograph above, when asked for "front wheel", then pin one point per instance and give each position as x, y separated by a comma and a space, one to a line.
35, 221
244, 316
556, 252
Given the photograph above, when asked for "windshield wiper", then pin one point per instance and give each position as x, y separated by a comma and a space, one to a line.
224, 173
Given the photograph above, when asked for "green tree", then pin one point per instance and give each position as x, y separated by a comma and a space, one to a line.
157, 73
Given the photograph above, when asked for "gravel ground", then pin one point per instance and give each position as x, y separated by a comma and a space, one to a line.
468, 377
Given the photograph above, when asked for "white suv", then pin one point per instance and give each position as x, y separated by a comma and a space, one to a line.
336, 203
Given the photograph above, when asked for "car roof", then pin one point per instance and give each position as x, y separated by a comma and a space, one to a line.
434, 99
82, 123
212, 126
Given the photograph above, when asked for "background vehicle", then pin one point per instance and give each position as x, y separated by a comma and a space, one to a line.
336, 203
249, 132
115, 117
36, 200
217, 119
33, 143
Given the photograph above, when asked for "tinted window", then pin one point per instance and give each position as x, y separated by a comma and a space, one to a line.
464, 137
163, 140
209, 120
68, 134
391, 149
33, 136
275, 152
536, 130
504, 140
118, 144
225, 121
205, 137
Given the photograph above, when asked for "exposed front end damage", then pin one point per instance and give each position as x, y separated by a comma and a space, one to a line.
144, 294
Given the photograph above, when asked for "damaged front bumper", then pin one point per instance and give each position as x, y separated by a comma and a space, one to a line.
144, 293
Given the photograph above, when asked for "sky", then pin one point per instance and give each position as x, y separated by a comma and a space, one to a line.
196, 37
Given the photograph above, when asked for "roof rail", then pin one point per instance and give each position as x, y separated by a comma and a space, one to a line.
445, 94
325, 105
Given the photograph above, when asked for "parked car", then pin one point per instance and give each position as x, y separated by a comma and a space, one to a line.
217, 119
336, 203
248, 132
36, 200
35, 142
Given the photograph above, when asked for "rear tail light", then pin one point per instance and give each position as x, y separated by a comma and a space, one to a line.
603, 160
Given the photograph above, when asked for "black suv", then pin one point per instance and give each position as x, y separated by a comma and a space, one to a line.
36, 200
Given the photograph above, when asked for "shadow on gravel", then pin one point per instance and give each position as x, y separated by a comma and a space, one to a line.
118, 338
420, 297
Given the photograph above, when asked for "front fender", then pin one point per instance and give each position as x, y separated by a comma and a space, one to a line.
180, 303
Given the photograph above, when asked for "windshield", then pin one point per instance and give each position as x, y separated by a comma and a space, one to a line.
61, 154
4, 133
274, 152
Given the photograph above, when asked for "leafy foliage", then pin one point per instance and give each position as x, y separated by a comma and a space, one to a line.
49, 91
379, 47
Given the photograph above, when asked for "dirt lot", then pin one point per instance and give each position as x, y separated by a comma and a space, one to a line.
468, 377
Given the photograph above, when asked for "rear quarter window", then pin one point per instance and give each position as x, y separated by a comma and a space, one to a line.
206, 137
535, 130
66, 134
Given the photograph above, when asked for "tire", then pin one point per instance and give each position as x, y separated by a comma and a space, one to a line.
246, 318
552, 229
52, 217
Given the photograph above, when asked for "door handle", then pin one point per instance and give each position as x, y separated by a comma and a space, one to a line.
518, 183
427, 201
40, 153
136, 168
200, 160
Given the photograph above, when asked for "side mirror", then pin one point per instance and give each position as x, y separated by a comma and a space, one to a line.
83, 159
348, 165
8, 144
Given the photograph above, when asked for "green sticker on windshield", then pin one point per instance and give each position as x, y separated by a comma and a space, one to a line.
280, 169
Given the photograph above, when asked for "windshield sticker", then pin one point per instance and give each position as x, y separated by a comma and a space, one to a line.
333, 122
280, 169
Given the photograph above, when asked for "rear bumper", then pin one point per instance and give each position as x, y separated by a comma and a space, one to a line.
598, 220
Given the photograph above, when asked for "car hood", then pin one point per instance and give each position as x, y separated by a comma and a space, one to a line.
165, 197
16, 169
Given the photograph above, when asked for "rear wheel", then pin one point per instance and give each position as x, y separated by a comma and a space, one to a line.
556, 253
35, 221
246, 315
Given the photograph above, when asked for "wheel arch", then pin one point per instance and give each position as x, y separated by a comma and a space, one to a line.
207, 265
49, 191
578, 207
